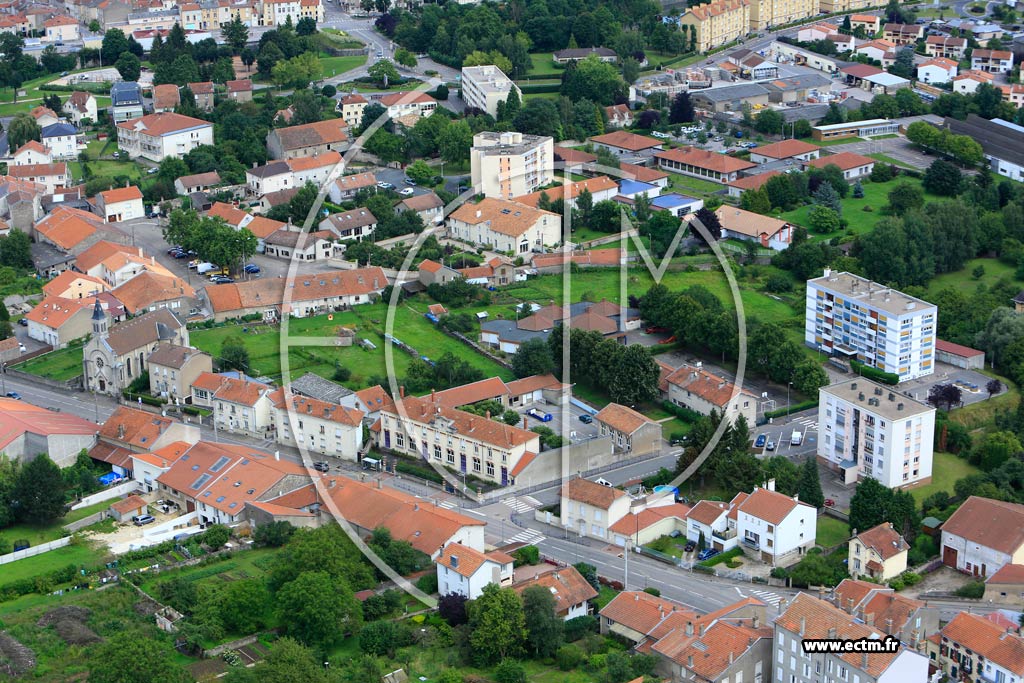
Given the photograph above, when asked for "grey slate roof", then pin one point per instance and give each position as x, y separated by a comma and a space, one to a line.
123, 93
731, 92
315, 386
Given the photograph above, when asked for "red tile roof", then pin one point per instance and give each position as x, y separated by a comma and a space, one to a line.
412, 409
785, 149
596, 495
634, 523
707, 511
705, 159
134, 427
957, 349
622, 418
844, 160
770, 506
985, 638
1008, 573
566, 585
465, 561
625, 140
18, 418
121, 194
53, 312
991, 523
129, 504
163, 123
643, 612
753, 182
482, 390
884, 540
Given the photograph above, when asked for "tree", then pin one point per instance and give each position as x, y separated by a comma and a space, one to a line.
379, 638
114, 45
129, 66
383, 72
248, 58
306, 26
538, 117
995, 449
993, 387
858, 190
316, 609
134, 657
273, 534
771, 354
16, 251
948, 395
769, 121
594, 80
824, 220
942, 178
242, 604
297, 72
234, 355
905, 197
405, 58
510, 107
495, 58
510, 671
452, 608
589, 573
287, 662
455, 142
419, 172
269, 55
756, 201
904, 64
1003, 328
236, 33
21, 129
809, 487
38, 494
808, 377
216, 536
634, 377
710, 221
827, 196
544, 628
533, 357
497, 625
682, 109
868, 504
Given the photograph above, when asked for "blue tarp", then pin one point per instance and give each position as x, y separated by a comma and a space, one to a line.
110, 478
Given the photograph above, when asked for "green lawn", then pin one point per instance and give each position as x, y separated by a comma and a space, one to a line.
339, 65
689, 185
81, 555
369, 321
542, 64
49, 532
604, 595
964, 279
247, 564
859, 220
946, 470
539, 96
831, 532
59, 365
890, 160
830, 143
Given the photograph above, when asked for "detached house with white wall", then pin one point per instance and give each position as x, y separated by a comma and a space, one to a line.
589, 508
505, 226
158, 136
464, 571
982, 536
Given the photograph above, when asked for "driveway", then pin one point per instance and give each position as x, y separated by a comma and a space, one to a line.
577, 431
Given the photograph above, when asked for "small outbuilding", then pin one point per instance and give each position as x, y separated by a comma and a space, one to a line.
124, 510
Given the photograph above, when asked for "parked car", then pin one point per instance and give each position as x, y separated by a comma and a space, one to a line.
142, 520
23, 322
14, 394
385, 186
204, 268
410, 181
321, 466
251, 268
706, 554
407, 192
770, 446
660, 135
829, 503
690, 545
221, 280
586, 419
762, 439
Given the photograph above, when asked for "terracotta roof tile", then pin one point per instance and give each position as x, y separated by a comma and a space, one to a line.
991, 523
705, 385
749, 223
1008, 573
844, 160
566, 585
884, 540
707, 511
711, 653
622, 418
533, 383
53, 312
635, 522
987, 639
770, 506
499, 434
482, 390
82, 284
137, 428
328, 158
503, 216
271, 293
302, 405
625, 140
705, 159
166, 96
598, 184
100, 252
642, 612
312, 134
121, 194
129, 504
785, 149
164, 123
465, 561
148, 288
586, 491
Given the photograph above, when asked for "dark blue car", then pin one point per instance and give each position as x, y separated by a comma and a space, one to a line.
762, 439
251, 268
706, 554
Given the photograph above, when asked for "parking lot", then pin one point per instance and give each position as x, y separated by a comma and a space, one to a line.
577, 430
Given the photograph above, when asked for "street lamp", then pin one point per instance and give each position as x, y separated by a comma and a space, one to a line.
788, 385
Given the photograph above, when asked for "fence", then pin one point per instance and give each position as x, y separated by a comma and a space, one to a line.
32, 552
107, 494
86, 521
74, 383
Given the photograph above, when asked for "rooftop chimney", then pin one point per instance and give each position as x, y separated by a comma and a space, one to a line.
869, 618
756, 621
700, 630
277, 455
689, 628
689, 661
526, 424
730, 657
849, 605
401, 391
864, 660
832, 633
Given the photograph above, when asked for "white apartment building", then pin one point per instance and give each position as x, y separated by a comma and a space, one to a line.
869, 430
158, 136
853, 318
483, 87
469, 443
508, 165
321, 427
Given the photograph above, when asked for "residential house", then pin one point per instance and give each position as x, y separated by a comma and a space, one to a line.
73, 285
574, 54
570, 590
407, 107
431, 272
647, 523
484, 87
29, 430
239, 90
880, 50
120, 204
983, 536
589, 508
203, 94
969, 81
773, 526
200, 182
1013, 93
992, 61
32, 152
117, 263
601, 188
319, 426
945, 46
630, 431
639, 618
712, 522
1006, 585
908, 619
975, 648
428, 206
879, 553
295, 244
125, 101
702, 164
346, 187
765, 231
166, 98
903, 34
351, 225
806, 617
717, 22
852, 165
751, 182
797, 150
311, 295
510, 164
496, 272
116, 356
132, 430
58, 322
351, 109
151, 291
310, 139
461, 570
871, 431
51, 176
60, 29
158, 136
44, 116
696, 389
488, 449
505, 226
871, 23
621, 143
61, 139
173, 368
619, 116
937, 70
246, 407
126, 509
644, 174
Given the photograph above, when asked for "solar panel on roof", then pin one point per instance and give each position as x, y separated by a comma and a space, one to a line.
203, 478
221, 461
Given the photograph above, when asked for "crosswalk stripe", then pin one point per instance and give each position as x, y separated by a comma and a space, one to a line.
769, 597
517, 505
533, 502
528, 536
447, 504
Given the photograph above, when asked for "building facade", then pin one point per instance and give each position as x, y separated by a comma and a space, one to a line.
508, 165
483, 87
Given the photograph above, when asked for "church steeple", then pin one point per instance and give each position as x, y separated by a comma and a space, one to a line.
99, 320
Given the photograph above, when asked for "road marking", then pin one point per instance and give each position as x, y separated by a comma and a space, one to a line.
527, 536
772, 599
521, 505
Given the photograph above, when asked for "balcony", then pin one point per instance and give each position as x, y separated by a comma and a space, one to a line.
752, 543
726, 535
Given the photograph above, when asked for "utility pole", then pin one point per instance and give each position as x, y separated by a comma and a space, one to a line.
625, 555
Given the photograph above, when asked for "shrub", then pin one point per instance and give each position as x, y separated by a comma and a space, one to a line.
778, 283
653, 591
974, 590
510, 671
874, 373
568, 657
578, 627
596, 662
527, 555
427, 583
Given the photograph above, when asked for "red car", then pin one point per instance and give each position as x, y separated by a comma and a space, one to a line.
656, 330
829, 503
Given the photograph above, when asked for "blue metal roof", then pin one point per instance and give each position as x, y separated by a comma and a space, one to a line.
125, 92
56, 130
672, 201
628, 187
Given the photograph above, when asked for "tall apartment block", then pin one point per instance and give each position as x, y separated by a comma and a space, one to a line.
853, 318
869, 430
483, 87
507, 165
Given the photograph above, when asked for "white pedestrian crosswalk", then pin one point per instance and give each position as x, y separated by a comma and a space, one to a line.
447, 504
524, 504
767, 596
810, 423
527, 536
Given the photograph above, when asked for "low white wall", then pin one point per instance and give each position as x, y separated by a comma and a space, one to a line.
36, 550
107, 494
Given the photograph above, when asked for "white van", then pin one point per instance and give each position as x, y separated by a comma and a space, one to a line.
796, 439
204, 268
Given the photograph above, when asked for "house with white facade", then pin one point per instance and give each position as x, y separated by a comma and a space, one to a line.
120, 204
868, 430
693, 387
852, 165
461, 570
245, 407
158, 136
506, 226
765, 231
992, 61
982, 536
772, 526
589, 508
937, 70
32, 152
320, 427
567, 586
61, 139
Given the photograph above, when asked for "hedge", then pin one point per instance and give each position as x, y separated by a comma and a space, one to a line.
684, 414
795, 408
148, 400
95, 88
536, 88
874, 373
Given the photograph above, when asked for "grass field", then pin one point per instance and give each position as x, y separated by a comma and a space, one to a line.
687, 185
59, 365
859, 221
369, 321
542, 64
831, 532
49, 532
339, 65
946, 470
831, 143
890, 160
82, 554
963, 279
